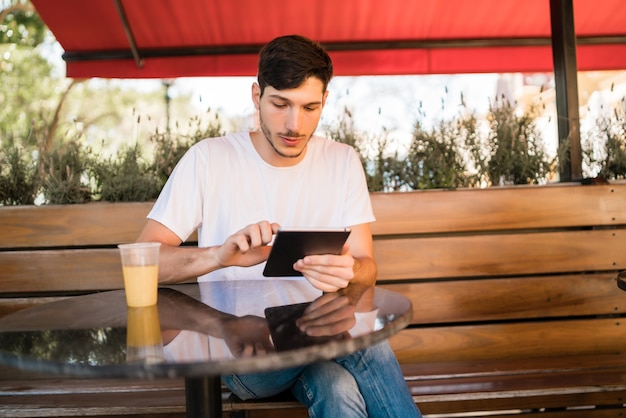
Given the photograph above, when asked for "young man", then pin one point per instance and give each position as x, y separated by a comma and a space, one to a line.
239, 189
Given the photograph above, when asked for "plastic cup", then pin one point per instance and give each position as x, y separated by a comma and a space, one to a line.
140, 266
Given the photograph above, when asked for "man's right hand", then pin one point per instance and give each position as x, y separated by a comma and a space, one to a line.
248, 246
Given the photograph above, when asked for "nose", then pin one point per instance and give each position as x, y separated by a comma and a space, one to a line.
294, 120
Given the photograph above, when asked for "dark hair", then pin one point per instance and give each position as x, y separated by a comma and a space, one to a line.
287, 61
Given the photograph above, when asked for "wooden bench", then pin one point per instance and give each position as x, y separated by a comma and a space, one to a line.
515, 304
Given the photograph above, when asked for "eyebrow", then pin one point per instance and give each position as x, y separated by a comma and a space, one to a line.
278, 96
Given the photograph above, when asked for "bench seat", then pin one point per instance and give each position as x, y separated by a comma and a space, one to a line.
515, 304
569, 387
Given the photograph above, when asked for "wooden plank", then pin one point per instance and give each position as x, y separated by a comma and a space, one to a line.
56, 397
494, 255
451, 407
512, 341
495, 367
292, 412
60, 270
398, 259
71, 225
397, 213
532, 405
462, 301
496, 208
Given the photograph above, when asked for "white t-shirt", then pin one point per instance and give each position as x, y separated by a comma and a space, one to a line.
222, 185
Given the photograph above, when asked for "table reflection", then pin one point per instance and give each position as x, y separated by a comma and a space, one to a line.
144, 343
244, 323
208, 328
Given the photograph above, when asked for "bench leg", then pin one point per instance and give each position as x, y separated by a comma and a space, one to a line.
204, 397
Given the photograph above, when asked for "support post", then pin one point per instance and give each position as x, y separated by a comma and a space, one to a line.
204, 397
566, 85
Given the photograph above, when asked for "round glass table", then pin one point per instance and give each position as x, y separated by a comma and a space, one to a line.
190, 333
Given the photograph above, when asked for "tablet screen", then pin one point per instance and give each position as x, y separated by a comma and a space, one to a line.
290, 245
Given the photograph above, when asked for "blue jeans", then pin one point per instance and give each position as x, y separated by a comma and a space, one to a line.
368, 383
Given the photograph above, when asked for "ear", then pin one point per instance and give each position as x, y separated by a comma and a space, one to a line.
324, 98
256, 95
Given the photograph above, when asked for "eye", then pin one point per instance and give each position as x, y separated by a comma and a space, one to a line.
280, 105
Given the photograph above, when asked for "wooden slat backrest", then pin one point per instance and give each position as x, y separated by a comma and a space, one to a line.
507, 274
520, 207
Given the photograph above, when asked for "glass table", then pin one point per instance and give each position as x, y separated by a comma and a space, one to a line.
190, 333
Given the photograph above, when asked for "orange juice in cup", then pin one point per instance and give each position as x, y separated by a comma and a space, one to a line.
140, 266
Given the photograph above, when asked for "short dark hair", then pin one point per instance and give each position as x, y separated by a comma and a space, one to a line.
288, 61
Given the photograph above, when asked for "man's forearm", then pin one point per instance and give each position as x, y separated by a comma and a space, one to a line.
179, 264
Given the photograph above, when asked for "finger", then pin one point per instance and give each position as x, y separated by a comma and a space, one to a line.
341, 316
248, 350
325, 282
321, 285
341, 263
266, 231
326, 298
260, 348
255, 235
332, 328
328, 303
241, 242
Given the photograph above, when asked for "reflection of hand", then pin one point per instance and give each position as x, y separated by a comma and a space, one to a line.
247, 336
330, 314
248, 246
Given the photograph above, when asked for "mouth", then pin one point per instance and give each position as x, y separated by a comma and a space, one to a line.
290, 140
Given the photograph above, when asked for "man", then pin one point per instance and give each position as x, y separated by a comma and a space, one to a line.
239, 189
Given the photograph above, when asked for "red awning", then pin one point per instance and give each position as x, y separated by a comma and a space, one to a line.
175, 38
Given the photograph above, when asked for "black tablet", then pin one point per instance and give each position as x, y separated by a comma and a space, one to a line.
290, 245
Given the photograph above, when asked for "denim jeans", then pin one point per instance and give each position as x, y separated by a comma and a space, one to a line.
368, 383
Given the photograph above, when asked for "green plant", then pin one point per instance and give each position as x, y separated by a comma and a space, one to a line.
18, 182
345, 132
433, 160
126, 178
387, 169
64, 174
448, 155
604, 149
517, 154
169, 147
383, 170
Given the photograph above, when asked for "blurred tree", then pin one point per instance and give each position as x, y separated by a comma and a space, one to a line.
40, 108
20, 24
30, 102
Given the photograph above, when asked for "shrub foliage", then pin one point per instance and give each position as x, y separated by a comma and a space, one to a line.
506, 148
